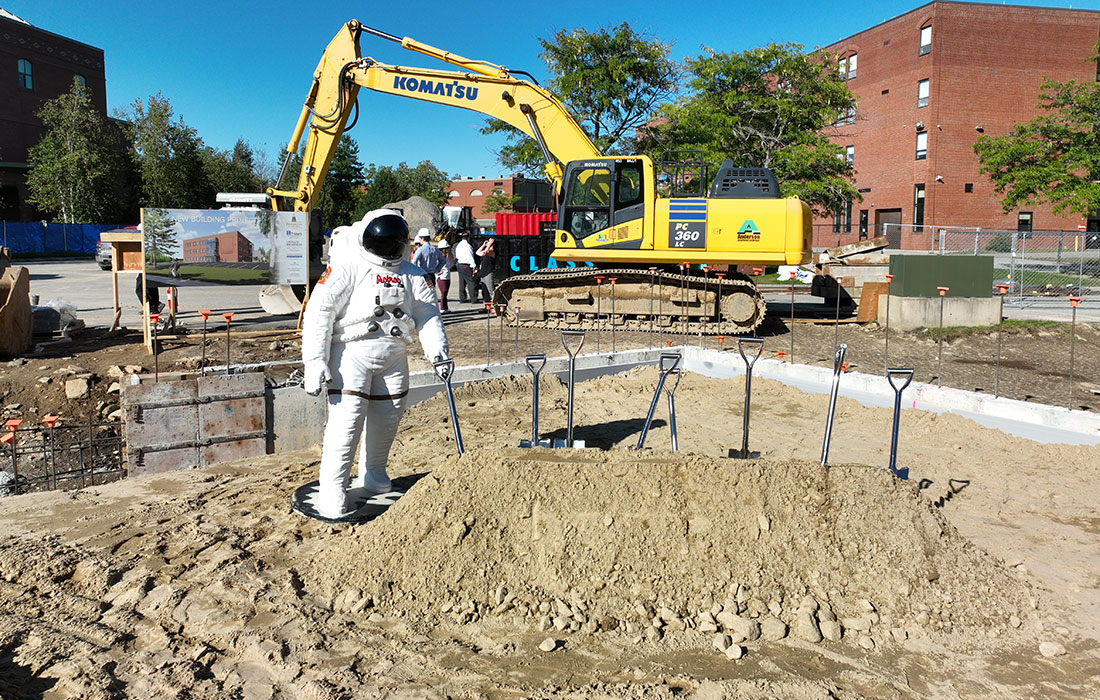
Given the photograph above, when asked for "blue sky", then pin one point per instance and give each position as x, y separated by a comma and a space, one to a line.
241, 69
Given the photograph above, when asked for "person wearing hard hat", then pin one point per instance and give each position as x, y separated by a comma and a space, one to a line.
427, 257
356, 332
443, 279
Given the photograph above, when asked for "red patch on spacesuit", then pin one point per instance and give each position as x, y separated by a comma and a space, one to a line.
386, 279
328, 270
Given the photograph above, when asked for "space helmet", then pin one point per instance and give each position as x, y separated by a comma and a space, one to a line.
385, 235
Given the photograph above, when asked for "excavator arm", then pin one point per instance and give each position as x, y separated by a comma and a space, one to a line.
478, 86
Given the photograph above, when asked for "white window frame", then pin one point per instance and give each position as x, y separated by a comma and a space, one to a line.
924, 89
922, 145
852, 61
850, 156
925, 40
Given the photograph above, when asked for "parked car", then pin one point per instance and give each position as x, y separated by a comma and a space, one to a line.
103, 255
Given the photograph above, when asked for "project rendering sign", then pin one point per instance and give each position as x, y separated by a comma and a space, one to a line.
225, 246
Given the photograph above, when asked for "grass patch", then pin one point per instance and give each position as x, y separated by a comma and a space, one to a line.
1031, 278
223, 275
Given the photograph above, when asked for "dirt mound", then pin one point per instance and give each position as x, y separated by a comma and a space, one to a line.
651, 543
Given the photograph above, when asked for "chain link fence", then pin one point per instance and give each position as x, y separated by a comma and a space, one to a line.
1036, 265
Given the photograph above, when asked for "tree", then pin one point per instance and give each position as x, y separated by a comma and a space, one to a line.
611, 81
765, 107
385, 184
77, 168
169, 157
231, 171
1054, 158
341, 190
499, 201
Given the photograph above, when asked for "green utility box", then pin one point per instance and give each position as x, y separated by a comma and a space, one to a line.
920, 275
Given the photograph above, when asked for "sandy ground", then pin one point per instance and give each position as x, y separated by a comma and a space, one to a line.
203, 584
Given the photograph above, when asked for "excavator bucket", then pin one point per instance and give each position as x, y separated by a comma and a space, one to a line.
280, 299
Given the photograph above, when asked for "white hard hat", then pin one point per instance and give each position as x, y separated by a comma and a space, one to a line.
423, 233
444, 244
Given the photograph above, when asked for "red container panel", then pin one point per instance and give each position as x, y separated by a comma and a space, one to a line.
522, 224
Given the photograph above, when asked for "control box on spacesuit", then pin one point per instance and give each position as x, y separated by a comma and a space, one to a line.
356, 332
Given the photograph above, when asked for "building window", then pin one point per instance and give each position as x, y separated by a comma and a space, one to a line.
26, 74
922, 145
968, 187
852, 66
475, 193
850, 156
918, 208
452, 194
1023, 221
82, 80
842, 68
925, 40
922, 93
850, 116
842, 218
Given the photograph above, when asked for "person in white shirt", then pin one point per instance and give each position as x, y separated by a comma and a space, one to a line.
443, 279
464, 256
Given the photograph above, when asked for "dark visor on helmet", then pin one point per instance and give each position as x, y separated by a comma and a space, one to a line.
386, 235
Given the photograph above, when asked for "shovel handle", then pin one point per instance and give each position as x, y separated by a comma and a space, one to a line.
758, 343
444, 369
572, 334
901, 373
673, 357
532, 360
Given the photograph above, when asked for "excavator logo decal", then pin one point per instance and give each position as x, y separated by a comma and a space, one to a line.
432, 87
748, 231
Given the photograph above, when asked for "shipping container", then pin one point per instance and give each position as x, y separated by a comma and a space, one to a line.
522, 224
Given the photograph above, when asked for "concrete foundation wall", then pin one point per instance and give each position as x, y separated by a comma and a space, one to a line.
910, 313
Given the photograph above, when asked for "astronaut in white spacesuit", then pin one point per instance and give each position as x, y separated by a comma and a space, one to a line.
355, 336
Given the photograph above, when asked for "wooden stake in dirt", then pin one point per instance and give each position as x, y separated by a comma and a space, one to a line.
939, 360
1002, 290
1074, 301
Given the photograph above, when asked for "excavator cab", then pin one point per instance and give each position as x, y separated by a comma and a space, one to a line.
601, 194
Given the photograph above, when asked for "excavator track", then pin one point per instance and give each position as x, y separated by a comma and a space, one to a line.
638, 300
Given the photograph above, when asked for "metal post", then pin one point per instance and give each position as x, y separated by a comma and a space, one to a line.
663, 371
838, 363
939, 360
794, 276
660, 310
718, 298
612, 281
572, 372
683, 303
516, 358
652, 270
444, 369
202, 366
886, 352
1003, 289
703, 314
599, 310
1074, 301
836, 326
50, 421
744, 453
488, 333
228, 316
890, 374
155, 318
502, 309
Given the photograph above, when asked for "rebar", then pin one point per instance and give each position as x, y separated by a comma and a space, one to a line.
836, 325
516, 358
155, 318
1074, 301
939, 359
488, 334
599, 309
886, 351
202, 363
228, 316
794, 275
612, 281
1003, 288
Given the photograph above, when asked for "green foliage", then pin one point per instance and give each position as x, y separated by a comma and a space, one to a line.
386, 184
160, 241
231, 171
1054, 158
610, 80
342, 187
499, 201
1000, 243
169, 156
764, 107
77, 168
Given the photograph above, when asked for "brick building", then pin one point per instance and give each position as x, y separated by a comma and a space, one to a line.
534, 195
927, 84
35, 66
229, 247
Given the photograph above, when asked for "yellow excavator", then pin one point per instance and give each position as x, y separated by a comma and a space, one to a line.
653, 244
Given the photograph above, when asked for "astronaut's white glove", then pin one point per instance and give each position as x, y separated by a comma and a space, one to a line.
316, 376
